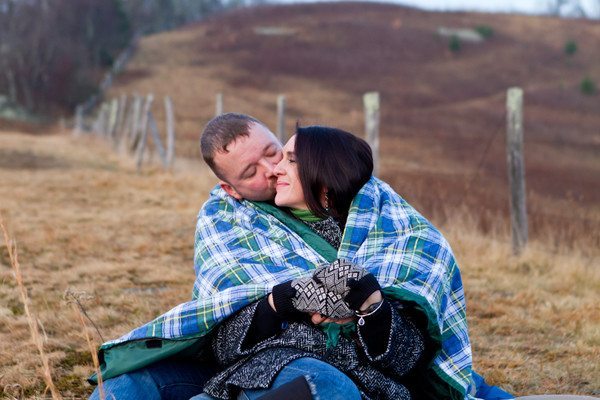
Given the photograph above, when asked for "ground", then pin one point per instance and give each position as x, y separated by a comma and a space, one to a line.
84, 220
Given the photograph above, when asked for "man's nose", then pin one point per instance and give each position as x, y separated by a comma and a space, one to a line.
275, 169
270, 168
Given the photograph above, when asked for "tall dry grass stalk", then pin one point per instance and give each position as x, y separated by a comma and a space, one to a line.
73, 298
31, 320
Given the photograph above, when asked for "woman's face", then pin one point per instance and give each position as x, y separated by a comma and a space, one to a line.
289, 189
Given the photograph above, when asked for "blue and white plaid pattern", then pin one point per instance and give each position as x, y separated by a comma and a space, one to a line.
242, 252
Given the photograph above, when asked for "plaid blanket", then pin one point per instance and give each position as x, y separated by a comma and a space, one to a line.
242, 251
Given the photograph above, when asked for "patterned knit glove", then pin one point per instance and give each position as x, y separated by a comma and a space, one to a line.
335, 276
349, 280
314, 297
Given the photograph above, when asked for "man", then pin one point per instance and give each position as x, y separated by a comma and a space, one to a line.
163, 354
242, 153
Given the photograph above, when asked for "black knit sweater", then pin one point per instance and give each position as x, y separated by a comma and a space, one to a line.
256, 366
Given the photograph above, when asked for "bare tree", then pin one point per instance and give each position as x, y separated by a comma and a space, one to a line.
53, 53
51, 49
566, 8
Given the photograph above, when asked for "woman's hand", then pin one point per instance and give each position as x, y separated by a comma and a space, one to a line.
318, 319
271, 302
363, 292
315, 318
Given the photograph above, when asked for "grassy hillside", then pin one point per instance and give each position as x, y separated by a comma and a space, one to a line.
443, 112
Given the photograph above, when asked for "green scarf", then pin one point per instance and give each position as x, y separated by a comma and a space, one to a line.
333, 331
304, 215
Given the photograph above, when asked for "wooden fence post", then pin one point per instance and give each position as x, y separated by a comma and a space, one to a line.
127, 126
371, 104
170, 131
98, 120
281, 118
135, 123
112, 118
156, 138
96, 124
103, 119
516, 168
219, 104
122, 107
78, 127
144, 131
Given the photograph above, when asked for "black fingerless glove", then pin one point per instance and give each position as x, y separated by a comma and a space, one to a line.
360, 290
283, 296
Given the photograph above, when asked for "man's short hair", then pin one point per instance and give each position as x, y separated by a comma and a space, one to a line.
220, 132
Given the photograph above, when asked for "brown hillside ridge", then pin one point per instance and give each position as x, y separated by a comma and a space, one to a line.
443, 113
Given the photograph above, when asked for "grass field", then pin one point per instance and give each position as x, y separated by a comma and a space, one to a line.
85, 221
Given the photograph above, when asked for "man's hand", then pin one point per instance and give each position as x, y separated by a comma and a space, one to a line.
305, 295
358, 287
335, 276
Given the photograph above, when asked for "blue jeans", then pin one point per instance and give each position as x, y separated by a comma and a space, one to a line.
168, 379
326, 382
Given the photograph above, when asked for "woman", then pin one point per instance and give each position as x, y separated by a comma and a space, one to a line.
285, 337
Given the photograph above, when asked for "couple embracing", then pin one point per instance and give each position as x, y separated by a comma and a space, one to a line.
314, 279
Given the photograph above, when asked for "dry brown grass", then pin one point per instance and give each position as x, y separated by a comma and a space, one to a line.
13, 255
534, 319
94, 225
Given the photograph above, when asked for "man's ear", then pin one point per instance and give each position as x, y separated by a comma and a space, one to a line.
230, 190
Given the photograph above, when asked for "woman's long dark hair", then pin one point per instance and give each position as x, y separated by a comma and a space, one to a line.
333, 159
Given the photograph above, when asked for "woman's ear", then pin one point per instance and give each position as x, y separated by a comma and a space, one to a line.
324, 198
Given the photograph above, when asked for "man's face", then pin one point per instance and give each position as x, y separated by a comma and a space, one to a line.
248, 165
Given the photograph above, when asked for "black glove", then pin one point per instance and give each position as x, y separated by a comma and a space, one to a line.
283, 295
360, 290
